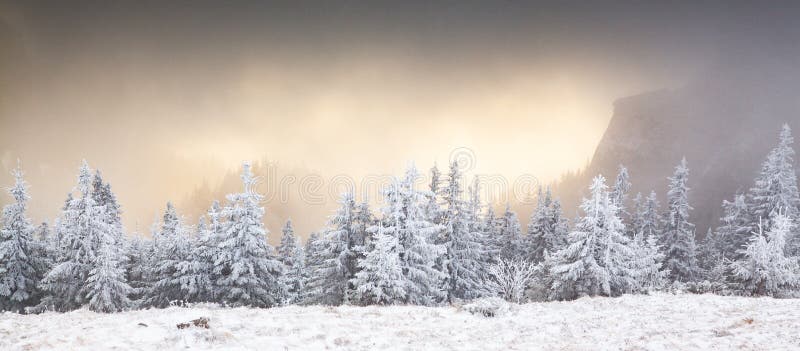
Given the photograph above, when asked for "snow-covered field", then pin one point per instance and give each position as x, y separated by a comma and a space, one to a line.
657, 322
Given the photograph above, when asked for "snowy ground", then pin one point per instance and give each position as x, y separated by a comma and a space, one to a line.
658, 322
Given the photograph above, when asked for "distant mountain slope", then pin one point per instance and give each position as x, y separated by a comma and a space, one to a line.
724, 130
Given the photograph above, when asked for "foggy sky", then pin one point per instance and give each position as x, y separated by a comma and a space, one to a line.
162, 97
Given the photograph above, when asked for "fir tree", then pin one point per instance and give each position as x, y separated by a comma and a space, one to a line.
195, 274
599, 259
678, 240
510, 235
651, 219
286, 249
312, 249
380, 280
330, 279
764, 269
491, 232
84, 232
462, 242
433, 208
249, 273
621, 187
776, 189
296, 277
735, 230
171, 250
776, 186
546, 229
140, 253
404, 218
20, 267
107, 289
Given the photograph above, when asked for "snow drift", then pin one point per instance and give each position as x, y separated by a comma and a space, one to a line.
655, 322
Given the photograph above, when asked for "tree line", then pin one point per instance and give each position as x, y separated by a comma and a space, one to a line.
428, 246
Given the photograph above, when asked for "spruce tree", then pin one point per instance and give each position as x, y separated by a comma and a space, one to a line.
107, 288
764, 269
312, 249
678, 240
735, 230
20, 266
651, 218
171, 250
248, 271
546, 229
404, 218
380, 280
84, 233
462, 241
510, 235
775, 188
599, 259
140, 253
330, 279
620, 191
195, 274
296, 277
286, 249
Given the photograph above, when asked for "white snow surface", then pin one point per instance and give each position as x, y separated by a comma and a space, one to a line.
654, 322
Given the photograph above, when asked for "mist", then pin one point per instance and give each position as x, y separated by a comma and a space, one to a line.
166, 99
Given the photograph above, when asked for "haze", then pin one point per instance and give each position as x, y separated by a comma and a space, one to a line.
163, 98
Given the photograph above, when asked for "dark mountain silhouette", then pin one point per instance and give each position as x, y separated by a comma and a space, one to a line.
724, 125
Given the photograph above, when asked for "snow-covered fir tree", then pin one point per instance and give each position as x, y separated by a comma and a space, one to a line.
650, 225
598, 260
620, 191
248, 271
678, 239
776, 186
296, 277
312, 249
735, 230
20, 266
45, 248
433, 208
140, 252
647, 263
84, 231
764, 269
404, 218
171, 251
196, 273
288, 253
477, 226
491, 233
381, 281
286, 249
107, 288
364, 220
330, 279
546, 229
112, 213
462, 242
710, 252
509, 235
776, 189
559, 226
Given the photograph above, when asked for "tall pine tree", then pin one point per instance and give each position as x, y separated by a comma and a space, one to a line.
249, 273
20, 266
678, 240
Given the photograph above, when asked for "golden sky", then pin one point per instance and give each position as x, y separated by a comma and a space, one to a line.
163, 99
